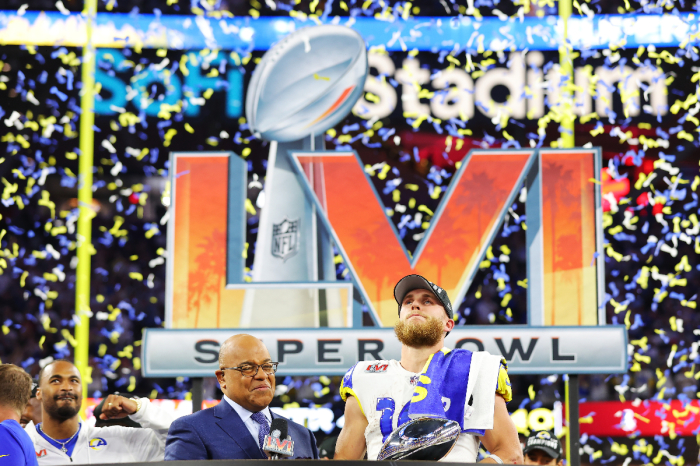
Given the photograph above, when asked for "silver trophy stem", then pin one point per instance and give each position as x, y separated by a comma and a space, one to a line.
291, 247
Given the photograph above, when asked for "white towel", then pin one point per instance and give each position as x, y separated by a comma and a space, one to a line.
483, 380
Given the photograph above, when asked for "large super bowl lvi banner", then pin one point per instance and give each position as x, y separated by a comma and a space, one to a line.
209, 290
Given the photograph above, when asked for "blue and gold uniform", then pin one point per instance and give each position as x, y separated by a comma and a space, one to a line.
385, 390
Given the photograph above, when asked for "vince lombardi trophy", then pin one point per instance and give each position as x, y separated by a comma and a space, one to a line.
304, 85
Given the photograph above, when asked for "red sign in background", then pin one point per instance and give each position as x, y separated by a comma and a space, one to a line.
642, 418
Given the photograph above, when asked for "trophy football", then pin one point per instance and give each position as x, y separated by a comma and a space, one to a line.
424, 439
304, 85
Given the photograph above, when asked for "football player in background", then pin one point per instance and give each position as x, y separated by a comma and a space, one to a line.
543, 448
62, 438
33, 410
379, 394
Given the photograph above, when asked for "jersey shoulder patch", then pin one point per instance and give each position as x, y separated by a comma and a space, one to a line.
363, 373
374, 367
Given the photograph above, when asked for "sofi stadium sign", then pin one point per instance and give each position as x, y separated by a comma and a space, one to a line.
450, 92
456, 95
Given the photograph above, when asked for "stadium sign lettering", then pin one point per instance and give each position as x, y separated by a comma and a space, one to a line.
331, 351
455, 94
197, 75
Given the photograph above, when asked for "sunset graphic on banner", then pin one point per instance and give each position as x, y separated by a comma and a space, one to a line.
450, 251
568, 221
200, 202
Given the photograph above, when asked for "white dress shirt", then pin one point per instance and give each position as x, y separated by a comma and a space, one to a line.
252, 426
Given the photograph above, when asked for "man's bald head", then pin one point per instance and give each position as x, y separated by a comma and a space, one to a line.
237, 347
253, 392
47, 368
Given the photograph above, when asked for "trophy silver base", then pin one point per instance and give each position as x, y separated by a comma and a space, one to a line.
424, 439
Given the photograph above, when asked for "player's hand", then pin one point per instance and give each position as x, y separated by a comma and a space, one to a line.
117, 407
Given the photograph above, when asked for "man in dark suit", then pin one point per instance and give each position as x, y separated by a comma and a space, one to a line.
236, 427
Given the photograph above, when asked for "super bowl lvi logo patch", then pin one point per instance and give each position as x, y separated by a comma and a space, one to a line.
376, 368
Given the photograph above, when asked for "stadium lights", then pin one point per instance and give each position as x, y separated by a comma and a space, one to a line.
432, 34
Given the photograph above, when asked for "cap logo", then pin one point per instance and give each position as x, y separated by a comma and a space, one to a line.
442, 295
553, 444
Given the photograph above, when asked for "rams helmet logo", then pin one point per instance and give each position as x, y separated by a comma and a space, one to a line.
97, 443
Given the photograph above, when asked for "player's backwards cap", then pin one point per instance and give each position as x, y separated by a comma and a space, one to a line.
545, 441
416, 282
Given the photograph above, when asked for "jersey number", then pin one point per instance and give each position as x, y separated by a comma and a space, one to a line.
387, 406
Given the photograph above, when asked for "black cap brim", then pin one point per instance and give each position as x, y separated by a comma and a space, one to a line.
549, 451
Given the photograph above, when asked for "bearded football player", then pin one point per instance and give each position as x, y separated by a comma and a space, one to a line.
430, 381
63, 438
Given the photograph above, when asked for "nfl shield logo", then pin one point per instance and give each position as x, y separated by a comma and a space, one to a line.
285, 238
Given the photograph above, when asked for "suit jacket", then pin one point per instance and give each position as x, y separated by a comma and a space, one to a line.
219, 433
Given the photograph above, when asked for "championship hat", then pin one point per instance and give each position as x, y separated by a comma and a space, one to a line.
545, 441
416, 282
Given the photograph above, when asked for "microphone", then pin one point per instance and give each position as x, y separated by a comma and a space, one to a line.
278, 443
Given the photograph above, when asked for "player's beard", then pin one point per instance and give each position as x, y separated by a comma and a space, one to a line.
62, 413
420, 334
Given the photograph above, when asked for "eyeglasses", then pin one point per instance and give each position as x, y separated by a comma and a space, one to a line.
251, 370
